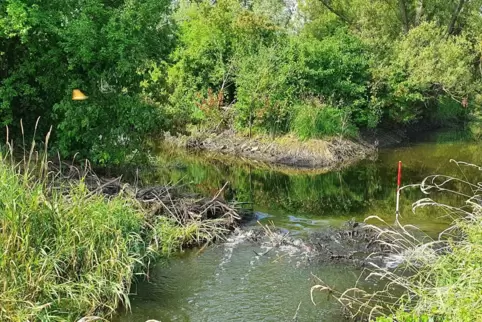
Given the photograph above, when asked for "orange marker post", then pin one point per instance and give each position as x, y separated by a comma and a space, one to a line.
399, 181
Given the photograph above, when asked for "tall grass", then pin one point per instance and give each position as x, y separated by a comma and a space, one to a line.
68, 252
63, 254
433, 279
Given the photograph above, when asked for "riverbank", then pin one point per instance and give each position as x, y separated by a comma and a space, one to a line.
72, 243
288, 152
285, 151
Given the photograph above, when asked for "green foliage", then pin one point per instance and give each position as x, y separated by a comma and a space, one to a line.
99, 47
150, 66
82, 128
63, 256
265, 62
408, 317
261, 69
214, 42
266, 89
418, 51
427, 65
335, 69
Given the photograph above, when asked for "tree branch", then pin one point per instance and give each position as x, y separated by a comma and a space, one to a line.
339, 14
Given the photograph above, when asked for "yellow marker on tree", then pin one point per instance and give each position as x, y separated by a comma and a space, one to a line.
77, 95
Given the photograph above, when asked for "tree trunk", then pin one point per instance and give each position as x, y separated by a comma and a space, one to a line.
404, 15
419, 12
455, 16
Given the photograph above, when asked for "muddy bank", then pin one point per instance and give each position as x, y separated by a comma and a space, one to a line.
290, 152
285, 151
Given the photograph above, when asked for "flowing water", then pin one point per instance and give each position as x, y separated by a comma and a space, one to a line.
231, 282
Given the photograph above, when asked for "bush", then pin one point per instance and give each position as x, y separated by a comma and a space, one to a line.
427, 69
104, 56
316, 121
266, 88
107, 128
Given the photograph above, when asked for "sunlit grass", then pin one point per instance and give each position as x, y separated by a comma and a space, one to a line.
63, 254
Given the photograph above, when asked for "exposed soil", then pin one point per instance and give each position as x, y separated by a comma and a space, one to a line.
285, 151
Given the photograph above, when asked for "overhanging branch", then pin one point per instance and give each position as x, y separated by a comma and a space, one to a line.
339, 14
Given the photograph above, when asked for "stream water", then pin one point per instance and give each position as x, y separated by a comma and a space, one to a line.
229, 282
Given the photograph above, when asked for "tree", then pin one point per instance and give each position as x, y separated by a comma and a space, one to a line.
100, 46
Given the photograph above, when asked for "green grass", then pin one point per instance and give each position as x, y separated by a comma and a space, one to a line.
67, 252
63, 255
448, 288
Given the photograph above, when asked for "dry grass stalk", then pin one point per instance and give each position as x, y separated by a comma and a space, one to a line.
426, 280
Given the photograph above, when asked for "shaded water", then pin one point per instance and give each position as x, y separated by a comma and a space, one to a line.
229, 282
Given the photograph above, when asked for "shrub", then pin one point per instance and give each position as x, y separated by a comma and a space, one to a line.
107, 128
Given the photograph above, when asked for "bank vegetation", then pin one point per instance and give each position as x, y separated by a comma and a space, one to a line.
422, 278
311, 69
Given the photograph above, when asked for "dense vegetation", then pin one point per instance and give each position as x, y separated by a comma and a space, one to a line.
64, 256
68, 250
314, 68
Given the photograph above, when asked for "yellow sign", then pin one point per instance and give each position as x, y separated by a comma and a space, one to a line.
77, 95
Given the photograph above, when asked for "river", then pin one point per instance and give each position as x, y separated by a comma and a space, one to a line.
229, 282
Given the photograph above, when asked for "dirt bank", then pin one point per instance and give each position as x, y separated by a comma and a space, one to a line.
285, 151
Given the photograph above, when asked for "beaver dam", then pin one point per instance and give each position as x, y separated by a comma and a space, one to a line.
307, 227
213, 217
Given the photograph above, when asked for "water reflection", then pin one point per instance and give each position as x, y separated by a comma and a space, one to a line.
364, 189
